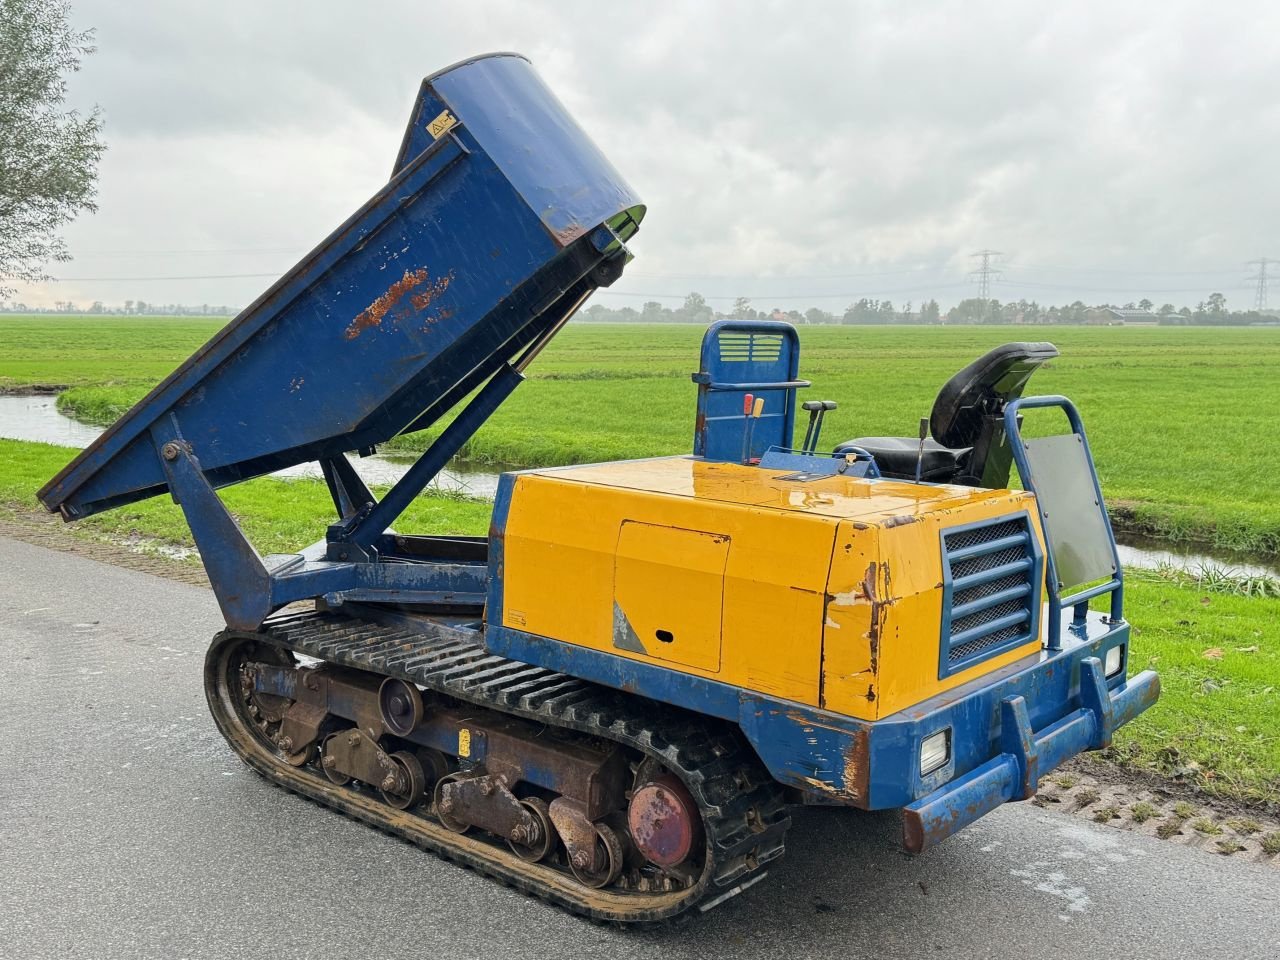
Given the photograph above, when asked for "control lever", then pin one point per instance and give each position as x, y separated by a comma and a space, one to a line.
924, 435
756, 410
822, 406
748, 402
813, 407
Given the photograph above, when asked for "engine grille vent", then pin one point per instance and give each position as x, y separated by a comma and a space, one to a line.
991, 597
737, 347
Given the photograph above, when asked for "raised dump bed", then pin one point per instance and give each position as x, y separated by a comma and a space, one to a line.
500, 217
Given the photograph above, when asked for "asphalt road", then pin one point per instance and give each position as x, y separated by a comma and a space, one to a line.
127, 829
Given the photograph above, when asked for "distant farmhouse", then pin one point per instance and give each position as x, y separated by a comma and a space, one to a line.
1116, 317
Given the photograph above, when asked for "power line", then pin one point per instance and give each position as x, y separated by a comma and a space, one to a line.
112, 254
1261, 278
986, 272
1039, 266
615, 293
1090, 288
811, 276
785, 296
208, 276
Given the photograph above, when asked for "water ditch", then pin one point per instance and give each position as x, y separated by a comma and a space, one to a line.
37, 418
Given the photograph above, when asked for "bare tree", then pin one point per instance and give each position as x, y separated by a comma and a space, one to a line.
48, 154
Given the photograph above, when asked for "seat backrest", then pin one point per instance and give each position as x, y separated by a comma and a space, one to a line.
982, 389
740, 357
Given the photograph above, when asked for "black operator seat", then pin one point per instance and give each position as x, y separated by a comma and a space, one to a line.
967, 423
896, 457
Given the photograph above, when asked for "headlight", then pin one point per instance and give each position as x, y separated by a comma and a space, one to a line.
1114, 662
935, 751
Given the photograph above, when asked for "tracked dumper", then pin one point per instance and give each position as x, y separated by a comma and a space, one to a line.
612, 701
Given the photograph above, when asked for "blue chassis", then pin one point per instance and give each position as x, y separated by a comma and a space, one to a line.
1008, 728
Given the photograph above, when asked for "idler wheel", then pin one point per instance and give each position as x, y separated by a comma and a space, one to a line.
608, 860
299, 758
434, 764
413, 782
664, 822
444, 805
543, 841
400, 704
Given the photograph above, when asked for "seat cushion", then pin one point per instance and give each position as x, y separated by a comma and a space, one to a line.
896, 457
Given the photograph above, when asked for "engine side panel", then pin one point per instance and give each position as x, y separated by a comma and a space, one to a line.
726, 591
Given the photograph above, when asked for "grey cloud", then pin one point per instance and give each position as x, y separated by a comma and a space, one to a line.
771, 140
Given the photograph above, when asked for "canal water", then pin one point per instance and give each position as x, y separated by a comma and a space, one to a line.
37, 418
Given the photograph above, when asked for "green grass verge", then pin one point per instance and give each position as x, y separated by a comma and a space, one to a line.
1179, 418
1218, 654
278, 516
44, 351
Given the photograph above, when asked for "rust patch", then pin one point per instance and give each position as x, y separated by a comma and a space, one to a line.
869, 583
570, 232
857, 767
423, 298
874, 591
414, 291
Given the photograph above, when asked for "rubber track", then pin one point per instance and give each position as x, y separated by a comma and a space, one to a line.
743, 809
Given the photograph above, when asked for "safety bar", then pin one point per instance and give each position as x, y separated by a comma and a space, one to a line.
1079, 601
704, 378
1026, 756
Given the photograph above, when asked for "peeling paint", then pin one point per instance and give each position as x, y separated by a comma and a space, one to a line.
415, 291
869, 583
624, 635
901, 520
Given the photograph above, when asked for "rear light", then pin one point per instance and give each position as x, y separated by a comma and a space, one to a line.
935, 751
1114, 661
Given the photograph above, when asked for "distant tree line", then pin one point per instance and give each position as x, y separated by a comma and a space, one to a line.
1209, 312
695, 309
130, 308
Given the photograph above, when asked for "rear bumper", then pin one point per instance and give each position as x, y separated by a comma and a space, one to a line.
1005, 730
1026, 754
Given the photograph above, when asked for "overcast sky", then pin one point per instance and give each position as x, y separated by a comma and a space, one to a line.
800, 153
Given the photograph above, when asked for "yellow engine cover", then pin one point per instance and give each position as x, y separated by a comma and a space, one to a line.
827, 592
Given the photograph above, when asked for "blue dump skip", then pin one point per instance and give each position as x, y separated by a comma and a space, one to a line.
500, 217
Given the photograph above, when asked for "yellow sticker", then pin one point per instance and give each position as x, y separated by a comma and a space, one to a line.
464, 742
441, 124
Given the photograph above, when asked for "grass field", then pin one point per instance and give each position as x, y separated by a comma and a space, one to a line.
1181, 420
48, 351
